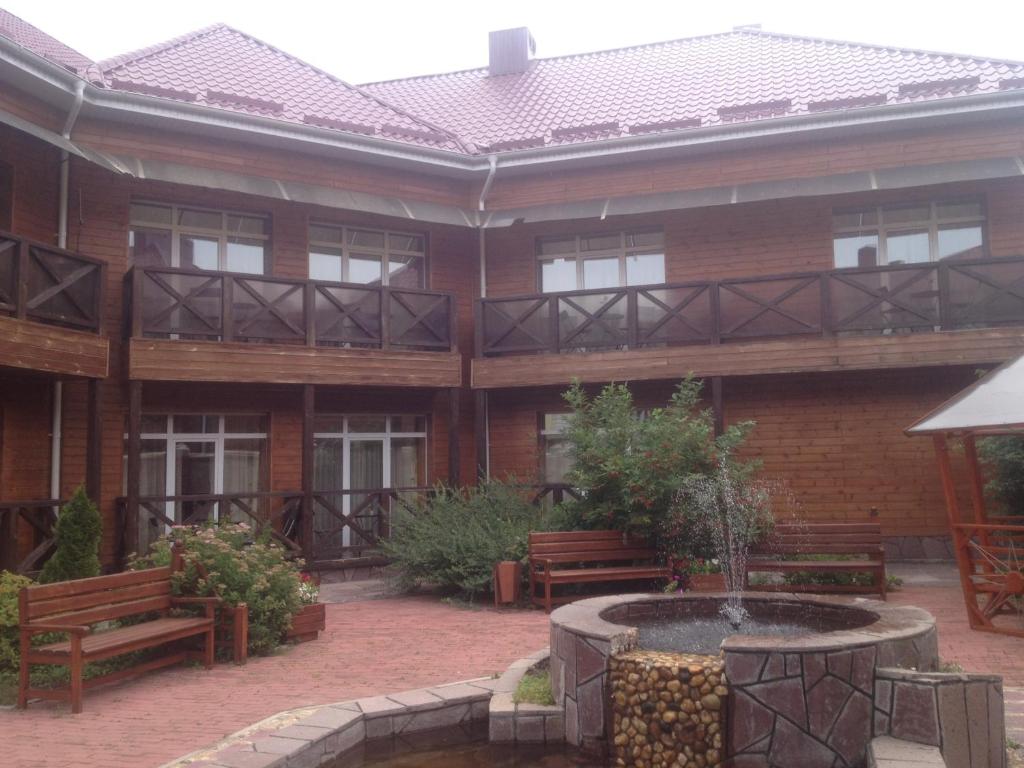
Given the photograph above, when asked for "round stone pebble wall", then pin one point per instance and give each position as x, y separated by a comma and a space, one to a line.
667, 709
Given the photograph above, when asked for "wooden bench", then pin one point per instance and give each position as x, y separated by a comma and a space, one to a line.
787, 547
71, 607
585, 557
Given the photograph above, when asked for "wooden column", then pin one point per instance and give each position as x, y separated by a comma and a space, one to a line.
94, 441
134, 468
974, 475
480, 434
716, 404
454, 473
308, 412
961, 541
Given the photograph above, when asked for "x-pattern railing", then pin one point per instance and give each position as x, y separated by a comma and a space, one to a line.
223, 306
49, 284
898, 298
41, 517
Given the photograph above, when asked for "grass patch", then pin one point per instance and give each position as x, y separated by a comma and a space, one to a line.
535, 688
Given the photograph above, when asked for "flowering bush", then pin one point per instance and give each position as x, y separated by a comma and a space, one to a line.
682, 570
227, 562
309, 590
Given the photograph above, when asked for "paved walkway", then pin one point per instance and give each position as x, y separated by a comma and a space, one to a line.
379, 646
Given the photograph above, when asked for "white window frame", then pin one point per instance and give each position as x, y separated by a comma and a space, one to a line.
580, 256
222, 234
933, 225
347, 436
347, 249
171, 438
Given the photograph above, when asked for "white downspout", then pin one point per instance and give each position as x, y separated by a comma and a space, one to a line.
482, 206
56, 436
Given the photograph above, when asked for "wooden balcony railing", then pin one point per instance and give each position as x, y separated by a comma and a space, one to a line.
50, 285
224, 306
946, 295
41, 517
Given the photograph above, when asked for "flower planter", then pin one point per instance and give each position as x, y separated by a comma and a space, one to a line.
307, 623
707, 582
508, 576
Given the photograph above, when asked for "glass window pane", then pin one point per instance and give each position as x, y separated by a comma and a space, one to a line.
653, 239
558, 275
193, 467
406, 271
325, 264
645, 268
549, 246
366, 238
244, 462
408, 462
907, 248
195, 423
601, 273
199, 252
329, 423
601, 242
363, 423
364, 269
150, 247
905, 215
201, 219
403, 242
150, 214
408, 423
246, 225
848, 219
154, 424
245, 424
961, 210
960, 242
246, 256
855, 251
557, 459
328, 466
153, 475
325, 234
556, 423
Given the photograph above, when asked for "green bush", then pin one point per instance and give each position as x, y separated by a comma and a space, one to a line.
77, 534
1003, 457
237, 569
10, 585
454, 538
630, 465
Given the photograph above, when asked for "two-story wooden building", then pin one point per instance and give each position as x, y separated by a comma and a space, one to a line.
233, 285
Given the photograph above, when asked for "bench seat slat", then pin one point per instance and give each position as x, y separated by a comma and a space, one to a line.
813, 565
123, 639
568, 576
603, 556
38, 609
112, 611
97, 583
548, 537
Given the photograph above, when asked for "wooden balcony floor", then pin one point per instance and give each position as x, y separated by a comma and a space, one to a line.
34, 346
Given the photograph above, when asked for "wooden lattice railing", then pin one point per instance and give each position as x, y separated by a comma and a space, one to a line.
936, 296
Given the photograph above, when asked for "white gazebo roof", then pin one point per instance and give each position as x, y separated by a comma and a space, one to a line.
993, 404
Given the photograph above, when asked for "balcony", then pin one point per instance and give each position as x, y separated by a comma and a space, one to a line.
51, 309
187, 325
953, 312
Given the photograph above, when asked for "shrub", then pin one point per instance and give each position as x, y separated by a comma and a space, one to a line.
629, 466
77, 535
1003, 456
454, 538
226, 562
10, 585
535, 688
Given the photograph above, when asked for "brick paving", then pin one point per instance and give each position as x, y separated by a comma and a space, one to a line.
379, 646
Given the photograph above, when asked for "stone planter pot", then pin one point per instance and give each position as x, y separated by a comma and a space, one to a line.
307, 623
707, 582
508, 578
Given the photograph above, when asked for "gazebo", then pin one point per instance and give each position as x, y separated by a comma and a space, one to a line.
989, 549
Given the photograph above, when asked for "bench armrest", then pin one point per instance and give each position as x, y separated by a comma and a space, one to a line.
36, 628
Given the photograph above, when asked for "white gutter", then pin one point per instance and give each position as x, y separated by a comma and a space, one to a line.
481, 225
56, 430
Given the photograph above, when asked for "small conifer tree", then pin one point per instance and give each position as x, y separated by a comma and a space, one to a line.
78, 542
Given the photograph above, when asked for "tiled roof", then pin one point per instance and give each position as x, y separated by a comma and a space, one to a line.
221, 67
41, 44
711, 80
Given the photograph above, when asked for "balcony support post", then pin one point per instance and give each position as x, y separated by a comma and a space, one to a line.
480, 435
308, 412
454, 472
134, 468
94, 441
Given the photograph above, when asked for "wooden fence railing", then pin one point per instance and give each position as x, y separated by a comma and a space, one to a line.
225, 306
41, 516
902, 298
50, 285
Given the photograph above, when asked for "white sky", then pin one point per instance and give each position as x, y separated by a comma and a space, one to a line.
363, 40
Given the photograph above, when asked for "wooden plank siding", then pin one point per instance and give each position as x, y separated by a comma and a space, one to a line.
51, 349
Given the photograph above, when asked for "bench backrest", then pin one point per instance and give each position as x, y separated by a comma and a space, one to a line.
588, 546
102, 598
822, 539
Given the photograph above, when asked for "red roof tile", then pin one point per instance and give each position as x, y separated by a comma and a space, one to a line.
221, 67
743, 75
41, 44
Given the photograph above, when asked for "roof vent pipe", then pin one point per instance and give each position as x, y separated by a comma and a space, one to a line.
510, 51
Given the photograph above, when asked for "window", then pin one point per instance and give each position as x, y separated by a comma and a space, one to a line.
363, 452
187, 454
177, 236
555, 448
601, 261
908, 234
370, 257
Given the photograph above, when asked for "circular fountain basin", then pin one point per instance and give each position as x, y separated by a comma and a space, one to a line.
800, 678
